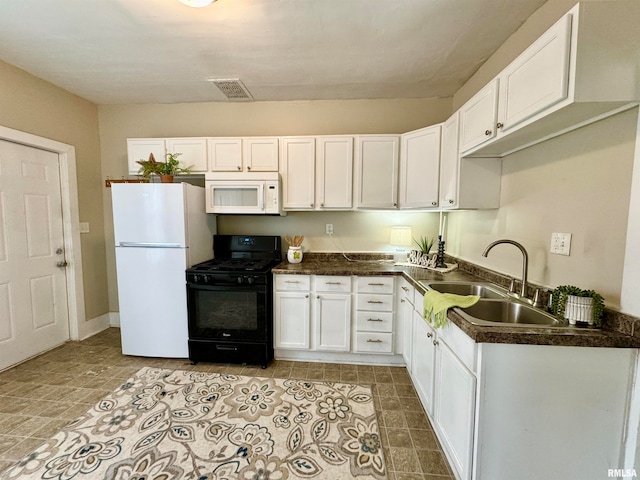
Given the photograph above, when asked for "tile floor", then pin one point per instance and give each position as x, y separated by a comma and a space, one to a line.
40, 396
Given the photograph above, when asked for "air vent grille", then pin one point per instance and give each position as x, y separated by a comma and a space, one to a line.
233, 89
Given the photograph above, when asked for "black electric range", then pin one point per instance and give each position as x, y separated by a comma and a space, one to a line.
230, 301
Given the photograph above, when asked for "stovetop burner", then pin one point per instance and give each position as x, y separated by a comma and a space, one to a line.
235, 265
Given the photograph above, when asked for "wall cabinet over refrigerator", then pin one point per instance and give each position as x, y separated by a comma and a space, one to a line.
420, 168
377, 171
141, 148
193, 152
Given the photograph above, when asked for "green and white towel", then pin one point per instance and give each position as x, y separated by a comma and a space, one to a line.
437, 303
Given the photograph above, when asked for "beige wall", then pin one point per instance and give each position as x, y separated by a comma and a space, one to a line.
353, 231
32, 105
577, 183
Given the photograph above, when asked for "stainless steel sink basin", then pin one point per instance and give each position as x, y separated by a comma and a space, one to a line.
496, 306
483, 290
511, 313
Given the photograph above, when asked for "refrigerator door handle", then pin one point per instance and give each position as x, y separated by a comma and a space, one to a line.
149, 245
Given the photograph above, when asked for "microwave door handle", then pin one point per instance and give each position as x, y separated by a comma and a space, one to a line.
261, 191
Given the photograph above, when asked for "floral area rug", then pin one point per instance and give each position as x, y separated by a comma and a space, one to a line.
171, 424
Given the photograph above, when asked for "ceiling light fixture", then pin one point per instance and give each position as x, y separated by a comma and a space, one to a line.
196, 3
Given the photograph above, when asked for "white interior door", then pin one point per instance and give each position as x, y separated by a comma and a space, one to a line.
34, 314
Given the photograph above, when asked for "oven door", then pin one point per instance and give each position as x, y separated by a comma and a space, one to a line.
228, 313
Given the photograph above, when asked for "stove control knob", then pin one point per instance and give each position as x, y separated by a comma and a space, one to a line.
205, 279
249, 280
239, 280
195, 279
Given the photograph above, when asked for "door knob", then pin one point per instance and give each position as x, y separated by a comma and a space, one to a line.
62, 264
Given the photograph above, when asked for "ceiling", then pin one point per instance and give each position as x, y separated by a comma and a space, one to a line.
160, 51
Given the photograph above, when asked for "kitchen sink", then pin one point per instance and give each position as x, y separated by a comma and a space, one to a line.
496, 306
506, 312
483, 290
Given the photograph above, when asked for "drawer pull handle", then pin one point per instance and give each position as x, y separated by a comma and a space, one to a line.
429, 335
290, 281
374, 320
334, 283
376, 284
374, 341
405, 289
374, 301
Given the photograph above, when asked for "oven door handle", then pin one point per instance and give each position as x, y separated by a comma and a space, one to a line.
231, 287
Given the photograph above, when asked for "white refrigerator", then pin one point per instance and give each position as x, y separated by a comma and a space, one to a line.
160, 230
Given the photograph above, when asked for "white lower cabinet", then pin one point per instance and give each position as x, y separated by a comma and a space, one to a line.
291, 329
404, 319
455, 390
423, 360
374, 304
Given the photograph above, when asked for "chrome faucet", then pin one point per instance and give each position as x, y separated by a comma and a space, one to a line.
525, 262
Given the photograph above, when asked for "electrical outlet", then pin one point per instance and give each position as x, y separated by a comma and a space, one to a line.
561, 243
328, 228
84, 227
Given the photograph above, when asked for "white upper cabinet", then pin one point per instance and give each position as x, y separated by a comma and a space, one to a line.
449, 159
260, 154
298, 173
141, 148
537, 79
419, 168
581, 70
225, 154
193, 152
334, 173
478, 117
377, 171
466, 183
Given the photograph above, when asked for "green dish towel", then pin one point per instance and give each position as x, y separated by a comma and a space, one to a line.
437, 303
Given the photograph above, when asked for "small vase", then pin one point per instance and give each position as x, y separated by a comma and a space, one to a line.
166, 178
294, 254
579, 310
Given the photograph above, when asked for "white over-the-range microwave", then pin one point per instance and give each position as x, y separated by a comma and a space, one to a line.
244, 193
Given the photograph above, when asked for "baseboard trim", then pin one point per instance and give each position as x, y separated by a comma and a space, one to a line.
94, 326
114, 319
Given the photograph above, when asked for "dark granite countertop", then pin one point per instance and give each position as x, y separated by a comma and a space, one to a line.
336, 264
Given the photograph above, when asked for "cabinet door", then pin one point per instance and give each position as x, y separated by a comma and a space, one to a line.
423, 361
419, 168
449, 163
291, 329
478, 117
332, 330
141, 148
537, 79
455, 390
260, 154
405, 330
298, 173
225, 154
334, 174
377, 183
193, 150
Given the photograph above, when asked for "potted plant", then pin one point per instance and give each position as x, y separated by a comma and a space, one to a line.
577, 305
165, 170
424, 247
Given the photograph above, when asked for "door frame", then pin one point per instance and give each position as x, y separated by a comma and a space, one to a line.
78, 327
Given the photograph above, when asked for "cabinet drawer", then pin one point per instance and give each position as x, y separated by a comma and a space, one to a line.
375, 303
375, 284
374, 321
460, 344
293, 283
369, 342
329, 283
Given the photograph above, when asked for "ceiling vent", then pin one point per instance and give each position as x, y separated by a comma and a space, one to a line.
233, 89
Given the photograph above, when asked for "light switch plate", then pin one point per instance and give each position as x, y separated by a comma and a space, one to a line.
84, 227
561, 243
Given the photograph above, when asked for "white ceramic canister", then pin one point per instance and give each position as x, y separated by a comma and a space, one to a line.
294, 254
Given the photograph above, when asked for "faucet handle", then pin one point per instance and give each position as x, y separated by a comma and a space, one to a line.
512, 286
537, 298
